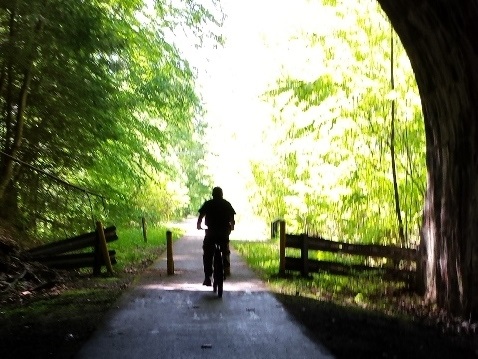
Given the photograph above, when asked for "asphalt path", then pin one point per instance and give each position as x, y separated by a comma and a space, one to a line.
176, 316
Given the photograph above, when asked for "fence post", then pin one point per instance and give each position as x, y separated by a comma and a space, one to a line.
97, 260
169, 252
304, 254
282, 247
143, 223
102, 245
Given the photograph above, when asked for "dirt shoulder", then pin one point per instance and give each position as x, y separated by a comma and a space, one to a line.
56, 322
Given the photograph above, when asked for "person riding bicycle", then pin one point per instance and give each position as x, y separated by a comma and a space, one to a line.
219, 219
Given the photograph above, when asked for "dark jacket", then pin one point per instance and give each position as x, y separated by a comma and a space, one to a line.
218, 214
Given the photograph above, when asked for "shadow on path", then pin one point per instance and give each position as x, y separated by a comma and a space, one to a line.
176, 317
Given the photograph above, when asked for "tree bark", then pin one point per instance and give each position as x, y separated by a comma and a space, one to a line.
440, 39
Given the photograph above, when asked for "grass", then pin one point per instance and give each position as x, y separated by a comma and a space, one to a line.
65, 320
67, 314
354, 317
133, 252
360, 316
365, 289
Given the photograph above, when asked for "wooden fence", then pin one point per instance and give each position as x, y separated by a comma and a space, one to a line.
58, 254
305, 265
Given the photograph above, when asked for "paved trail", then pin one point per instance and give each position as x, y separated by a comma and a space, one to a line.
176, 317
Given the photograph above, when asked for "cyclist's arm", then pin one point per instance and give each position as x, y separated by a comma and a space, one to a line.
198, 225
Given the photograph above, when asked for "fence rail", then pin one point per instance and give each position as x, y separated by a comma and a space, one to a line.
58, 254
75, 260
306, 265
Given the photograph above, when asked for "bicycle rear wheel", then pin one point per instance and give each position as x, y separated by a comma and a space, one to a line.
218, 274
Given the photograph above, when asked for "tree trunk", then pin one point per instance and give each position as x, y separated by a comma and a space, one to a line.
450, 227
398, 211
440, 39
450, 223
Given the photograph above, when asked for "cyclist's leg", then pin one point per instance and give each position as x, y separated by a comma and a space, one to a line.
224, 244
208, 253
226, 255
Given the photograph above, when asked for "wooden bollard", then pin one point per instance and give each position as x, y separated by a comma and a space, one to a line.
169, 252
143, 224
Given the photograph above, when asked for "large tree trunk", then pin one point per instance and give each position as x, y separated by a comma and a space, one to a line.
440, 39
450, 221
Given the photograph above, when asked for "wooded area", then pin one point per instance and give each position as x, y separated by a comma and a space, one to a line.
347, 138
349, 134
97, 94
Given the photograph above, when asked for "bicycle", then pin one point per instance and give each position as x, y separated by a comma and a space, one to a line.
218, 271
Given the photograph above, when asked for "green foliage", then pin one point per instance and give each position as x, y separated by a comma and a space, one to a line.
96, 93
331, 133
262, 256
163, 200
269, 200
304, 92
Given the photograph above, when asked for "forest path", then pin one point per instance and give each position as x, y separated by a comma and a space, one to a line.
176, 316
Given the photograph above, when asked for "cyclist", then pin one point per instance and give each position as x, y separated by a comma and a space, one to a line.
219, 219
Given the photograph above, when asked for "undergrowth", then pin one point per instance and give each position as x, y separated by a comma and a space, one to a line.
67, 313
362, 316
364, 290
